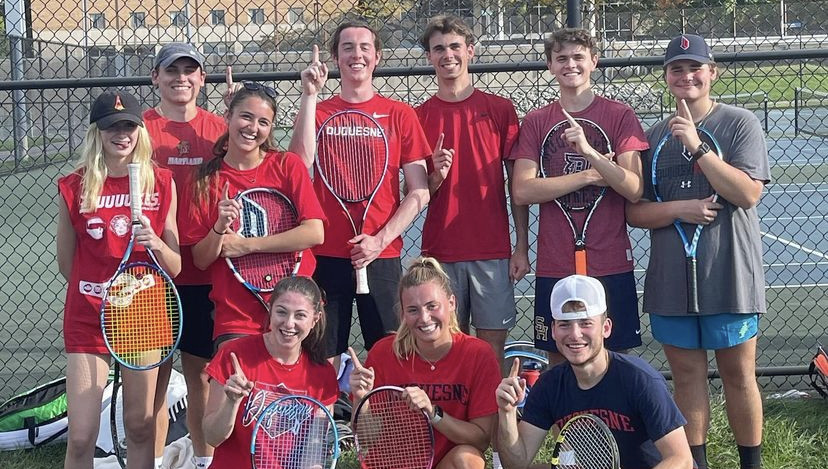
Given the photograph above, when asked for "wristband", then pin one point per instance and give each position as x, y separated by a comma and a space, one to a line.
700, 151
217, 231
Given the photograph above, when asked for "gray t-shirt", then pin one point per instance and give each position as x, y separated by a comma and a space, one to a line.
729, 257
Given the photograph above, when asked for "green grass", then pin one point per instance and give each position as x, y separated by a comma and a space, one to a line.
795, 437
778, 81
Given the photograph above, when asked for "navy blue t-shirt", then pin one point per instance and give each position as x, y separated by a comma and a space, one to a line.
632, 399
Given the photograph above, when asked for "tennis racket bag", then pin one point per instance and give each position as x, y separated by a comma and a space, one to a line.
818, 371
34, 418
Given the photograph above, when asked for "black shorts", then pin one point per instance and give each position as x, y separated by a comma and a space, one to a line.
622, 306
197, 313
378, 314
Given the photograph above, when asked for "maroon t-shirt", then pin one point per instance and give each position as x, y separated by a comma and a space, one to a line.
608, 245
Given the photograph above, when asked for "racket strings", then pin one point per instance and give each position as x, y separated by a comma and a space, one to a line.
560, 159
391, 435
265, 213
351, 156
587, 445
141, 316
677, 177
294, 437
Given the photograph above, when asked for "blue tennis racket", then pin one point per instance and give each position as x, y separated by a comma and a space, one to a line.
295, 432
676, 176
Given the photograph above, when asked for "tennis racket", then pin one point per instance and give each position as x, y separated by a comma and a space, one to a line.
351, 160
295, 432
264, 212
140, 311
116, 419
675, 176
585, 442
557, 158
389, 434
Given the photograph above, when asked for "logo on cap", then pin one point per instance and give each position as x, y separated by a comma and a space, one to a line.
118, 106
685, 43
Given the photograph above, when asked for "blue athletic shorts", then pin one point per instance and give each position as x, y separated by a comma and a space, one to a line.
708, 332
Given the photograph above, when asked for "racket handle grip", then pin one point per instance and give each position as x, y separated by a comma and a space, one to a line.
362, 281
692, 287
135, 195
580, 261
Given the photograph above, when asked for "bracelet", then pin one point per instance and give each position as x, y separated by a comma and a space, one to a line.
217, 231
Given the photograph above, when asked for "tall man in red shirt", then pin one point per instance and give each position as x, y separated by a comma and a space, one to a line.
183, 135
475, 131
571, 56
357, 51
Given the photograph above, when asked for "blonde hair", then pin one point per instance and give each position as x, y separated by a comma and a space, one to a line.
92, 166
421, 271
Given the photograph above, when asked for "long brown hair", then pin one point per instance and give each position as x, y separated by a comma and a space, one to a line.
206, 174
421, 271
314, 343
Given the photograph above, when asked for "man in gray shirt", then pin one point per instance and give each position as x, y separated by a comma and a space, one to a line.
730, 277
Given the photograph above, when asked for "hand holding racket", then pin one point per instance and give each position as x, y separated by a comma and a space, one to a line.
237, 385
361, 379
351, 161
140, 310
676, 176
295, 432
512, 389
585, 442
389, 434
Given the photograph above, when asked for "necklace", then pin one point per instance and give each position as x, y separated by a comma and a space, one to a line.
250, 177
706, 114
433, 364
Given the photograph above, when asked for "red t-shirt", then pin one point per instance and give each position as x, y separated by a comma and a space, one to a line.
406, 144
271, 380
181, 147
472, 200
463, 383
101, 238
237, 310
608, 245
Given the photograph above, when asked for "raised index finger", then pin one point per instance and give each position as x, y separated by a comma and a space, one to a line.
228, 76
569, 118
314, 54
355, 359
513, 373
226, 194
684, 110
439, 145
237, 369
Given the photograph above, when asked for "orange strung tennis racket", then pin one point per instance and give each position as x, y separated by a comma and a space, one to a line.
141, 310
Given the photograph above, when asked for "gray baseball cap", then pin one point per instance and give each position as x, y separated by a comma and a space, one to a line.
177, 50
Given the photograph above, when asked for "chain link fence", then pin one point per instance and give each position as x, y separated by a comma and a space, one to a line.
772, 59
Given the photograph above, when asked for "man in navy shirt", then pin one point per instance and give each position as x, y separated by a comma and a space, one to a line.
624, 391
